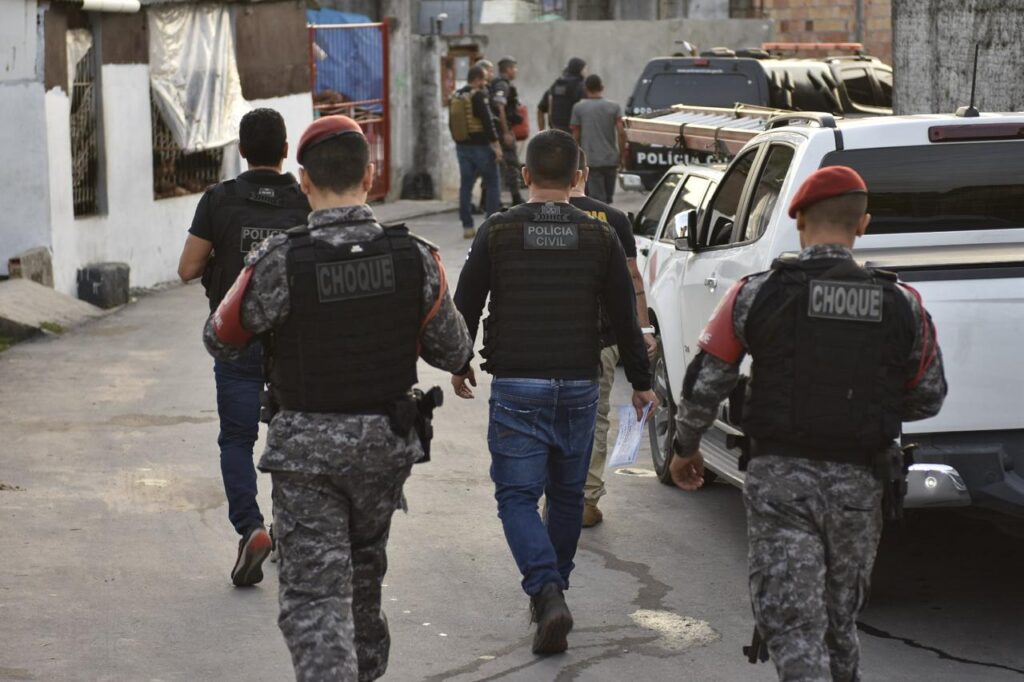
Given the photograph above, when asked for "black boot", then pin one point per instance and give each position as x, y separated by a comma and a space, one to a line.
550, 613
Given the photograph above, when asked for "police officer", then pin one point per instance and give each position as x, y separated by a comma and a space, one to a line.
841, 355
505, 100
547, 267
230, 220
350, 305
556, 104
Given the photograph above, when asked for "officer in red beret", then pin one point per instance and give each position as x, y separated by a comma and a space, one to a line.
841, 355
346, 306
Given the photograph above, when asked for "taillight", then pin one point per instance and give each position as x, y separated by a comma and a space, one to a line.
980, 131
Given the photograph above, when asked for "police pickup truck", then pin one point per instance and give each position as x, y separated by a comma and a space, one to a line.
851, 85
947, 206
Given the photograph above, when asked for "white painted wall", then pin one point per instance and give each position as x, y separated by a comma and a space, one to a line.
137, 229
24, 184
18, 40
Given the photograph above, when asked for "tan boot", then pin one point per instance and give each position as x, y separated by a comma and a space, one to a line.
591, 514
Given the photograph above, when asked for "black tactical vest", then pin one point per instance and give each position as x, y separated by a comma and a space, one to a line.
829, 342
548, 266
565, 92
349, 344
243, 215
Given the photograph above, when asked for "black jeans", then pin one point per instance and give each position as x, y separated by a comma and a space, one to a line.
601, 183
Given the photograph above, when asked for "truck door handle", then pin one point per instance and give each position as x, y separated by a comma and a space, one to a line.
645, 250
711, 282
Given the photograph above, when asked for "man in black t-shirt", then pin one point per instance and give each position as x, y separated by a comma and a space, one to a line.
232, 217
594, 489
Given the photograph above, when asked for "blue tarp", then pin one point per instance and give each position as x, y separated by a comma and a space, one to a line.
349, 61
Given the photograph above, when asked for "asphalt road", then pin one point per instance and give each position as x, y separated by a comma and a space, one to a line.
116, 545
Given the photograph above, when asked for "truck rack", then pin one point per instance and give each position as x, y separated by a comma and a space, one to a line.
713, 131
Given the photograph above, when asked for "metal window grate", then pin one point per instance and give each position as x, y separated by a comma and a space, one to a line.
350, 75
84, 137
176, 173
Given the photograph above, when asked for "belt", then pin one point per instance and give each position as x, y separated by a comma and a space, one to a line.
763, 447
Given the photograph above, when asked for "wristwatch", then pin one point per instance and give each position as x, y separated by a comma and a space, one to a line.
647, 330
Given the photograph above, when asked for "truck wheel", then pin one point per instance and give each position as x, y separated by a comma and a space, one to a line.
662, 424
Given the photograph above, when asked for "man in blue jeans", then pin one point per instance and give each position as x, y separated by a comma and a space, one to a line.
231, 218
479, 153
548, 268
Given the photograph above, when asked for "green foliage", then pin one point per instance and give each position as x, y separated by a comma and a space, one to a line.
52, 327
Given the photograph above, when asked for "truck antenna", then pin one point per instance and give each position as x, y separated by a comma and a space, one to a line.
970, 111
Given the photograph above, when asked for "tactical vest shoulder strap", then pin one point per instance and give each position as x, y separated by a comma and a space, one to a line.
300, 244
886, 275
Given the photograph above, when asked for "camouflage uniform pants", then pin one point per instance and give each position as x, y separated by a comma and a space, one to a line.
331, 533
813, 530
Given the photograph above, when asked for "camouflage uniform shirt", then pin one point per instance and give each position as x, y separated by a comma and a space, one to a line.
323, 443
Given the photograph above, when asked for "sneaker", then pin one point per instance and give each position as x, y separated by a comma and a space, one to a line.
253, 549
591, 514
554, 621
273, 544
468, 232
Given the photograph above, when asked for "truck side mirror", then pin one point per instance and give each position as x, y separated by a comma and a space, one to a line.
691, 231
681, 229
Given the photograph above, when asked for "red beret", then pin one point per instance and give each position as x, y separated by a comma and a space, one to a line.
326, 128
825, 183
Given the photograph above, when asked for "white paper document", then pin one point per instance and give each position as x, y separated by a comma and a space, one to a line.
631, 432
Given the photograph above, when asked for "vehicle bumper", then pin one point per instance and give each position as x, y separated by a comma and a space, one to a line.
935, 485
639, 180
988, 466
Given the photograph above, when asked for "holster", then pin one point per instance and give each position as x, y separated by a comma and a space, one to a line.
402, 415
426, 403
890, 467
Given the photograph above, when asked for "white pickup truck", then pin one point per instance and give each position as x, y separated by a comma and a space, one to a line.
947, 200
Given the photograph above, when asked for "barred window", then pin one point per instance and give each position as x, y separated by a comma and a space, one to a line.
85, 161
175, 172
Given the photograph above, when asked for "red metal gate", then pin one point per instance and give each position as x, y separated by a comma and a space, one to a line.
350, 74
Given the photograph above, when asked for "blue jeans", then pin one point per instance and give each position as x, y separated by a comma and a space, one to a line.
477, 160
238, 404
540, 434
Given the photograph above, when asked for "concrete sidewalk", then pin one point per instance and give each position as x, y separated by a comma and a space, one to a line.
407, 209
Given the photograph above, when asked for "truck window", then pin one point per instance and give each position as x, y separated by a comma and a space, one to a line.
941, 187
716, 227
766, 194
858, 86
647, 221
884, 79
689, 198
702, 87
